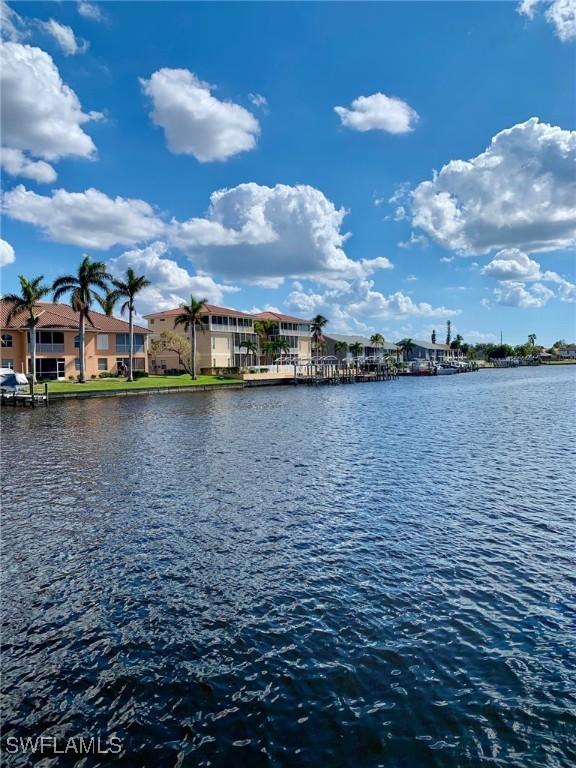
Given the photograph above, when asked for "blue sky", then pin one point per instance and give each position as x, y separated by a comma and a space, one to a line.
331, 211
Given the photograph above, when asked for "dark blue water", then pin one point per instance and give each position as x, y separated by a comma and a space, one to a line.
356, 576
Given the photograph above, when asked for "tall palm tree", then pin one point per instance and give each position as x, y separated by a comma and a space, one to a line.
532, 338
340, 348
31, 292
433, 337
82, 289
406, 345
377, 340
190, 318
317, 328
264, 329
250, 346
108, 303
128, 289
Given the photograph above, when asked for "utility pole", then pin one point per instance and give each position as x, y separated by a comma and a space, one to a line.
500, 338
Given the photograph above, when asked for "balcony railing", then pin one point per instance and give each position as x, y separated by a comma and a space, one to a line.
44, 348
124, 349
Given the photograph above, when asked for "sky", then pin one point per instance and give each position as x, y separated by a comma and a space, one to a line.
390, 165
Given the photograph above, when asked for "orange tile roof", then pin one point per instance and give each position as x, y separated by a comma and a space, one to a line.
209, 309
63, 316
279, 316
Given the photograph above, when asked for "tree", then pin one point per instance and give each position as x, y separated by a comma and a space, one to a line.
82, 289
448, 331
264, 329
168, 341
31, 292
433, 337
108, 303
532, 339
406, 345
317, 327
560, 344
356, 348
128, 288
377, 340
250, 346
457, 343
340, 348
191, 318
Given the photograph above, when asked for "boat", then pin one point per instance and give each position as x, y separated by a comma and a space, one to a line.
11, 381
446, 369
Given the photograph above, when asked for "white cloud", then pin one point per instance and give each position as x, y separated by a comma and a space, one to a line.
560, 13
510, 293
7, 255
89, 219
171, 284
512, 264
415, 241
65, 37
411, 278
258, 100
195, 122
378, 113
90, 11
12, 25
446, 259
254, 232
359, 308
519, 193
15, 162
40, 113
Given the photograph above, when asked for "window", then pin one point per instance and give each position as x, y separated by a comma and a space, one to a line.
77, 341
151, 322
102, 364
6, 339
102, 341
123, 342
7, 363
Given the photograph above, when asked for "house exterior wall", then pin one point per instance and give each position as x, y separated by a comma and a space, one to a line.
97, 360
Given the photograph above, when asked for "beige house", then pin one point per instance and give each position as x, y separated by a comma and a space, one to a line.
57, 346
296, 332
218, 340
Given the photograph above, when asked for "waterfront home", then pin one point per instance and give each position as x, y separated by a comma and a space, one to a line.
568, 353
218, 339
294, 330
57, 343
435, 353
368, 349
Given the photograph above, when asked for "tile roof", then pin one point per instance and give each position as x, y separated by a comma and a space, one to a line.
63, 316
209, 309
279, 316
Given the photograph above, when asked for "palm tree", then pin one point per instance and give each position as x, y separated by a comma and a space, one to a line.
340, 348
250, 346
433, 337
356, 348
81, 287
264, 329
532, 338
377, 340
190, 318
448, 331
457, 343
127, 289
31, 292
406, 345
316, 327
108, 303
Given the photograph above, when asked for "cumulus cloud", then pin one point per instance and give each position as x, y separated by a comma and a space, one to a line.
560, 13
510, 293
378, 112
359, 307
15, 162
7, 255
90, 11
194, 121
171, 284
89, 219
255, 232
511, 265
64, 37
519, 193
12, 25
40, 113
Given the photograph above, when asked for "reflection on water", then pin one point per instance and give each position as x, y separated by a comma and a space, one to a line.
376, 575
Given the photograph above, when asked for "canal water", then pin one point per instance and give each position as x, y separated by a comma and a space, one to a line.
349, 576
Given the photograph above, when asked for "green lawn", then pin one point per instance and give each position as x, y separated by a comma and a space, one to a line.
107, 385
559, 362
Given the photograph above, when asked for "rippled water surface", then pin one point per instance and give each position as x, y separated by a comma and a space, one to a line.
356, 576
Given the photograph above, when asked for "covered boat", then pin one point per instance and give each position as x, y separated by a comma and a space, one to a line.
12, 381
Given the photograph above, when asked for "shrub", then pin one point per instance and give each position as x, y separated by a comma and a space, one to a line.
106, 375
71, 378
93, 376
140, 374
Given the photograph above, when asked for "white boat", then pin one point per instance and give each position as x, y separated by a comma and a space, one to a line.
11, 381
445, 369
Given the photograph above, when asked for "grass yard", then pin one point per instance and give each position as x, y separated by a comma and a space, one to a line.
559, 362
109, 385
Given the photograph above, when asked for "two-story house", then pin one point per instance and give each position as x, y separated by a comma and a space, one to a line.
292, 329
387, 349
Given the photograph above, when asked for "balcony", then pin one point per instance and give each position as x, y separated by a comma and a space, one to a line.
43, 349
124, 349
